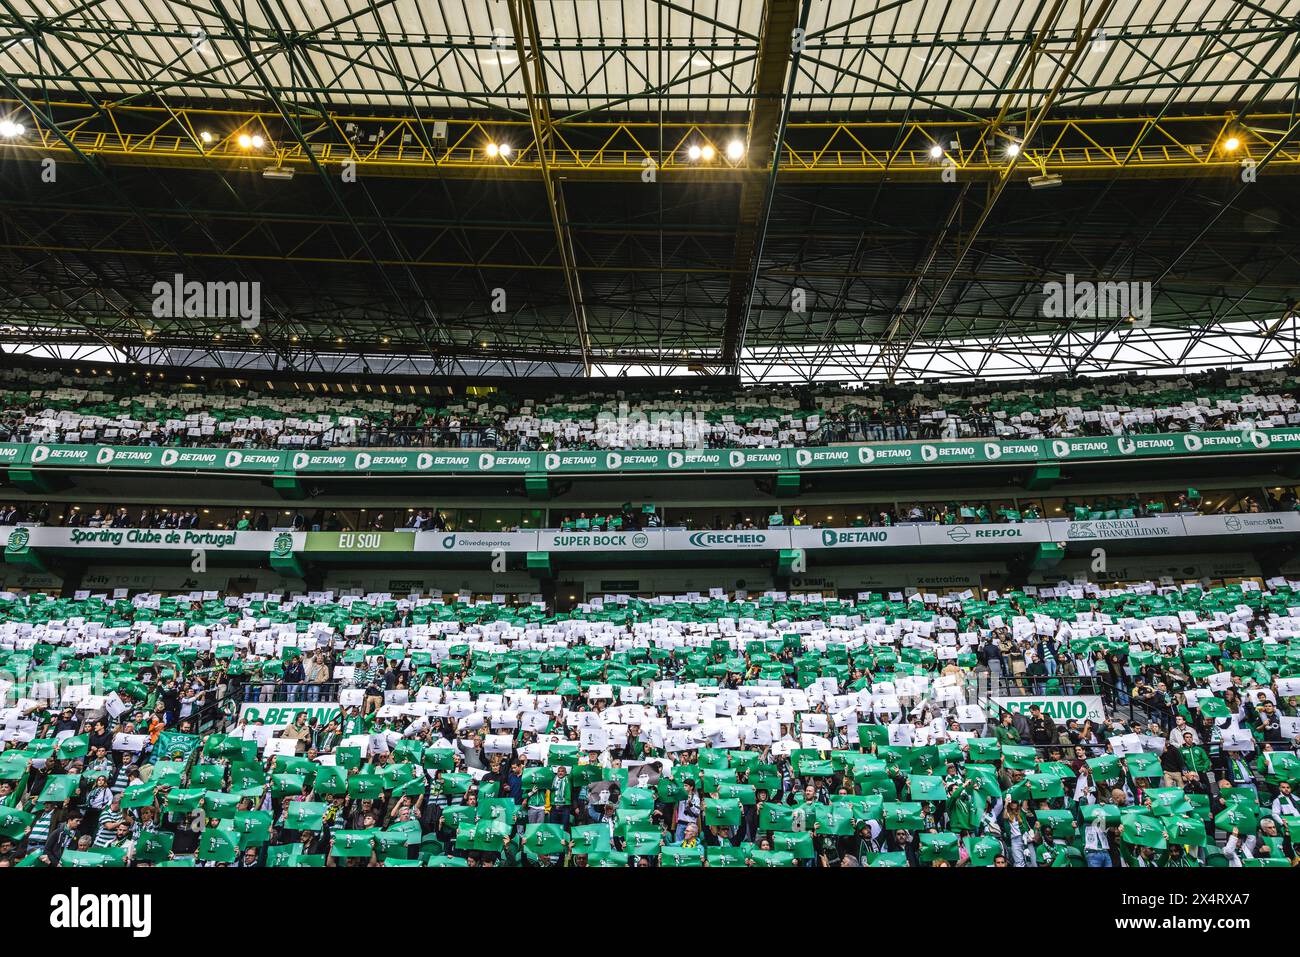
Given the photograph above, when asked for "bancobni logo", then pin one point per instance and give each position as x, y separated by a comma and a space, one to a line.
75, 911
1098, 300
211, 300
1232, 523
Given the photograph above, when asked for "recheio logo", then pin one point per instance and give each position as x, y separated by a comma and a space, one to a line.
709, 539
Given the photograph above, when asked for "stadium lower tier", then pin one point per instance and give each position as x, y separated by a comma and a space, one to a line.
1070, 725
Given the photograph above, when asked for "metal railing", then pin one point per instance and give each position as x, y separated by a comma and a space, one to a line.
249, 690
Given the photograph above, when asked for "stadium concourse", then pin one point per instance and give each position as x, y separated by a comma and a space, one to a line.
783, 731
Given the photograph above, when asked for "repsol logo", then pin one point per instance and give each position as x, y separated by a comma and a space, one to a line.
709, 539
831, 537
78, 911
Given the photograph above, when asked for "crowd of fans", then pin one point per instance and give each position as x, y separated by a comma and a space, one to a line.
54, 407
630, 517
319, 730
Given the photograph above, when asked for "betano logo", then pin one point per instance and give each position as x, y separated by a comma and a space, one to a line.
485, 461
75, 911
831, 537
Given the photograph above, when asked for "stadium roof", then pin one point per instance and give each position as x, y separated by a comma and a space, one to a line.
878, 224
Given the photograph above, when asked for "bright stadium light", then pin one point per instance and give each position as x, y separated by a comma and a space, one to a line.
707, 153
245, 141
504, 150
1013, 149
694, 152
1231, 143
205, 136
11, 129
491, 149
936, 151
257, 142
735, 150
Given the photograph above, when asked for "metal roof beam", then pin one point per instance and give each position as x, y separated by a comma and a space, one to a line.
523, 18
778, 57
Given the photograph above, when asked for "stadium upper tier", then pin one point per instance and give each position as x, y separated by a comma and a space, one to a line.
47, 407
1054, 726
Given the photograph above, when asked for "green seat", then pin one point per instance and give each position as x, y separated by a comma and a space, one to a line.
583, 524
1082, 513
1127, 513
